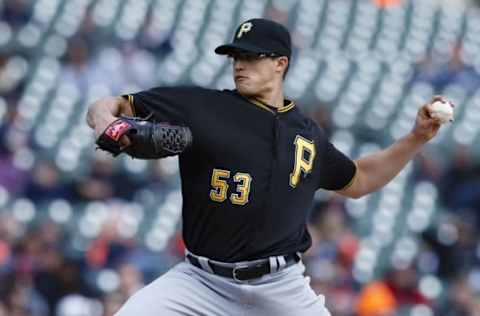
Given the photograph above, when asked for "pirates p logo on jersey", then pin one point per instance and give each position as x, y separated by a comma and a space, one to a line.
244, 28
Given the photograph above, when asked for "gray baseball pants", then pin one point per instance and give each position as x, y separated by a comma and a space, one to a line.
188, 290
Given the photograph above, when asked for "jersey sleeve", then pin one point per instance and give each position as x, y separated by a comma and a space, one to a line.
337, 170
167, 104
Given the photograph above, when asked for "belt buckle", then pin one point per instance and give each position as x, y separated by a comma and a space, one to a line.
235, 270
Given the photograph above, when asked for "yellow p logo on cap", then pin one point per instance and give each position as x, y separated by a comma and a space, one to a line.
244, 28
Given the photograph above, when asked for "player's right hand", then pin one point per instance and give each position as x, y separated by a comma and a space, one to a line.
100, 115
100, 128
426, 126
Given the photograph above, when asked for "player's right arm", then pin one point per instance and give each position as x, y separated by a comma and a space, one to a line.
106, 110
376, 170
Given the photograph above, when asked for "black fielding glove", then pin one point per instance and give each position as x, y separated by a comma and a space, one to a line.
147, 140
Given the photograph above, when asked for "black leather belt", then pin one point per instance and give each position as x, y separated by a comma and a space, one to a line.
243, 272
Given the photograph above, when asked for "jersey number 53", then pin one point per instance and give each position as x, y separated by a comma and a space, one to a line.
220, 187
304, 157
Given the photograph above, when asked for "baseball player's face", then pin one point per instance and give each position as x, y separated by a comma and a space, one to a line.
256, 76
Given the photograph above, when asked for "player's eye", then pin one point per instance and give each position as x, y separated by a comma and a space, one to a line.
245, 57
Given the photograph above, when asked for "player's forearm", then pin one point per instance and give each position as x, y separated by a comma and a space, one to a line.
376, 170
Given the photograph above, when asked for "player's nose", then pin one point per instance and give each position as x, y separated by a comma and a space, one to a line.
238, 65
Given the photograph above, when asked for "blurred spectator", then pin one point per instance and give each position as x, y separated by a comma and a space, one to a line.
461, 183
20, 296
131, 280
387, 3
3, 309
112, 303
329, 261
461, 300
98, 185
45, 184
60, 276
109, 249
12, 178
105, 182
455, 71
376, 299
454, 241
16, 12
10, 231
403, 284
428, 167
427, 70
157, 40
3, 60
4, 252
80, 69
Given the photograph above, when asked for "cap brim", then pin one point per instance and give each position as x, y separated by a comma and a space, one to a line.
234, 47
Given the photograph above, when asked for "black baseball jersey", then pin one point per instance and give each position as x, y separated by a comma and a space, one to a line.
249, 178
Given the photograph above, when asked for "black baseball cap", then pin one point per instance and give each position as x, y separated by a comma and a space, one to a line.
260, 36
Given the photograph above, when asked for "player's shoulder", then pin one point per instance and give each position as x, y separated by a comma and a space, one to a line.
315, 130
201, 92
307, 120
185, 89
224, 93
218, 98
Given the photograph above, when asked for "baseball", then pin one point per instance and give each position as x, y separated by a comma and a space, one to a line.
442, 110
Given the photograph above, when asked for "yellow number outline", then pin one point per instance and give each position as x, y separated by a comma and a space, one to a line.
243, 189
220, 187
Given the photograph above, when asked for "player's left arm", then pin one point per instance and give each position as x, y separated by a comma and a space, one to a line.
376, 170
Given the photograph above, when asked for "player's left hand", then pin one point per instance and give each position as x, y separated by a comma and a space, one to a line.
426, 127
145, 139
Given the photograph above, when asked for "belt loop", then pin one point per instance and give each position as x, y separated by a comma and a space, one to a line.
281, 262
273, 264
202, 260
204, 263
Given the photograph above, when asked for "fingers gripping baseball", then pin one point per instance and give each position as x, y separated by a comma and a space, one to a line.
430, 117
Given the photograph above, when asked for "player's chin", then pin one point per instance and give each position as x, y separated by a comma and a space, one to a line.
245, 89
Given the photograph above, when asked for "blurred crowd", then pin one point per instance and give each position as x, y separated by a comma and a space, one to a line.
46, 270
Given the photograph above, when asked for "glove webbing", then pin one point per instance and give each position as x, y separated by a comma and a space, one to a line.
173, 139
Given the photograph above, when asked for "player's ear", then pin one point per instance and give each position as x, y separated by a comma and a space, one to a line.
282, 64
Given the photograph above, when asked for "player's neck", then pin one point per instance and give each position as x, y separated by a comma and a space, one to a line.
273, 97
